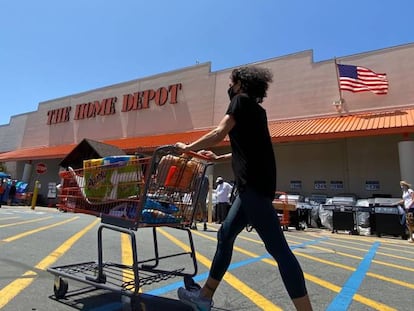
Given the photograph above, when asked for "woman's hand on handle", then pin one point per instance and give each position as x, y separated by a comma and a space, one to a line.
208, 154
181, 146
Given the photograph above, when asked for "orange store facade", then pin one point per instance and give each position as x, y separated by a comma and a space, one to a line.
361, 145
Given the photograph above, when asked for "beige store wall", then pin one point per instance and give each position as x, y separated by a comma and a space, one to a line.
301, 89
353, 161
193, 110
11, 135
375, 159
304, 89
307, 162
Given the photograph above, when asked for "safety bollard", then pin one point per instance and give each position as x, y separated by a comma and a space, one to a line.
35, 191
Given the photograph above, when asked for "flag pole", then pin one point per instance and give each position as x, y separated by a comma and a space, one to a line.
338, 104
338, 79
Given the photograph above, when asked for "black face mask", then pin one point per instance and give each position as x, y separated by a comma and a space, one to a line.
231, 92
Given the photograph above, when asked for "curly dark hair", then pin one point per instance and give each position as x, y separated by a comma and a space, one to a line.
254, 80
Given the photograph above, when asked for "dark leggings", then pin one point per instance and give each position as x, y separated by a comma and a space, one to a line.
253, 208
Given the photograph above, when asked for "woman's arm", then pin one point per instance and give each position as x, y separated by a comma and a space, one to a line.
411, 192
219, 158
211, 138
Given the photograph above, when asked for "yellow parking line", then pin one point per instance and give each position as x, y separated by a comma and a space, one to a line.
58, 252
8, 218
378, 262
126, 249
23, 234
394, 281
126, 254
369, 302
349, 268
14, 288
357, 297
382, 247
25, 222
255, 297
356, 239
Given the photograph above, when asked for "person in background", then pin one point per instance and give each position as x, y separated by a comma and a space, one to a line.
408, 203
202, 201
3, 186
223, 191
12, 193
201, 204
254, 168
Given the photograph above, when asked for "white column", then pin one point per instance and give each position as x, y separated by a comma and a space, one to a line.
406, 155
210, 173
27, 172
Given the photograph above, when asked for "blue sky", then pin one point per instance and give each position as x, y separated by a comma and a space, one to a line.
50, 49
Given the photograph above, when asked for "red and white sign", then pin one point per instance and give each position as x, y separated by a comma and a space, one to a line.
41, 168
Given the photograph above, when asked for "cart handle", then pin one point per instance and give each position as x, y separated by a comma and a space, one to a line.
198, 155
190, 153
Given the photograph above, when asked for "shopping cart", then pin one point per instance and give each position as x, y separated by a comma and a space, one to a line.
150, 192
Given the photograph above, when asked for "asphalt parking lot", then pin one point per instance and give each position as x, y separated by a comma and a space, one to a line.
342, 271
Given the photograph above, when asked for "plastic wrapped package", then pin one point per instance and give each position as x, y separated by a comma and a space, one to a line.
326, 217
363, 217
111, 178
177, 172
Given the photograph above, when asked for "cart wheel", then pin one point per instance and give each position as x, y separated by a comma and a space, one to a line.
60, 288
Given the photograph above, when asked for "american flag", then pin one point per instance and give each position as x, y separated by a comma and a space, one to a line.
360, 79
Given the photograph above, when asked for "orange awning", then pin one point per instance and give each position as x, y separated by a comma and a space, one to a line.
150, 142
367, 124
128, 144
358, 125
37, 153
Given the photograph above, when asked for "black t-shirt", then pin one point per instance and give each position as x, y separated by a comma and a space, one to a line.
253, 159
12, 190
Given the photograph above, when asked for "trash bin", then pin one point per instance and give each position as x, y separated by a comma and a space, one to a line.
388, 221
343, 218
343, 213
365, 220
303, 213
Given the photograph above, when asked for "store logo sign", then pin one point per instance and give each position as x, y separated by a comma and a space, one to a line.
130, 102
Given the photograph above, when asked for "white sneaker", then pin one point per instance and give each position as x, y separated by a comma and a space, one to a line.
194, 300
410, 240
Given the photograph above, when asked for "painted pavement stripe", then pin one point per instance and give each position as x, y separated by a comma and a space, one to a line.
254, 296
350, 288
30, 232
203, 276
14, 288
323, 283
25, 222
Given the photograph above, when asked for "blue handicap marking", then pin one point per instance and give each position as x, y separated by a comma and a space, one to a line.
344, 298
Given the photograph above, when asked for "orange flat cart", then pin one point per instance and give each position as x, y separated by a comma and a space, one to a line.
282, 205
